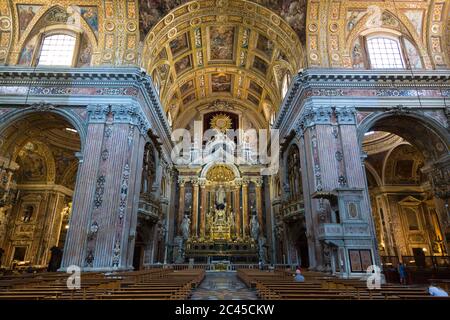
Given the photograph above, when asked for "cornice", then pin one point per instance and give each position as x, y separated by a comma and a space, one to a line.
115, 79
332, 83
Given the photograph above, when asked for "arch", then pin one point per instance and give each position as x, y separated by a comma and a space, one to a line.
241, 71
37, 28
383, 121
71, 117
212, 164
374, 173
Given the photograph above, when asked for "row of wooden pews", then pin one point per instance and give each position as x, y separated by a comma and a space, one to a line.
154, 284
318, 286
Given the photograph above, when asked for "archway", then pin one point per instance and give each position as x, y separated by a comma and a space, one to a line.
411, 221
38, 160
293, 207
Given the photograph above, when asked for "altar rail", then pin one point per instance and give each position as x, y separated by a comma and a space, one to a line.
215, 266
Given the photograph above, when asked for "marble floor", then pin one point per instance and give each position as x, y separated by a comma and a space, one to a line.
223, 286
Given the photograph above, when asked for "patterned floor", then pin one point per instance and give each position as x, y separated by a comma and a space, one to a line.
223, 286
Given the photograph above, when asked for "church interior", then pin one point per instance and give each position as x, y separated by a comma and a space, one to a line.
166, 142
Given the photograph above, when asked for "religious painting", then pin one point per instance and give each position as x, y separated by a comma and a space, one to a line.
90, 15
352, 210
180, 44
189, 85
152, 11
183, 64
357, 55
353, 18
221, 43
162, 54
27, 213
32, 164
58, 15
19, 253
415, 61
26, 14
253, 99
265, 45
416, 19
293, 12
26, 55
163, 71
84, 59
366, 259
221, 82
387, 19
255, 88
403, 169
355, 261
260, 65
189, 98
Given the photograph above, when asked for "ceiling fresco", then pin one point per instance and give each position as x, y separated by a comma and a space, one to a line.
293, 12
207, 51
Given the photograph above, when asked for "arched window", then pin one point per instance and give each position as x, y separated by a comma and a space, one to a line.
285, 84
169, 119
58, 50
272, 119
385, 53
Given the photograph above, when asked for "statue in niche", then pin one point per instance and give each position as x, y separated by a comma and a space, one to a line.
185, 227
27, 214
254, 227
262, 249
220, 198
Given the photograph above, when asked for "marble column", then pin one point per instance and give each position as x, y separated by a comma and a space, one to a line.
245, 221
181, 205
203, 209
258, 184
194, 222
237, 211
102, 225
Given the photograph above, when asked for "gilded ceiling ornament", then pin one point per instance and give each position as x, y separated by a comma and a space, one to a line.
221, 122
220, 173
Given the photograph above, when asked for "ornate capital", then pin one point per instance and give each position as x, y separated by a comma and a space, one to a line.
346, 115
97, 113
130, 114
314, 115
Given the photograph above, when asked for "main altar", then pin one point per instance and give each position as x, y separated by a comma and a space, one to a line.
221, 240
220, 203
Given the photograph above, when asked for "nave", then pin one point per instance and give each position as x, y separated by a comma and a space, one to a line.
196, 284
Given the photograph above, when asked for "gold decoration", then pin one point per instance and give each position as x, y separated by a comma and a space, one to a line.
220, 173
221, 122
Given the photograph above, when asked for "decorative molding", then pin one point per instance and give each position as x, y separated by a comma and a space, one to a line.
42, 106
344, 83
346, 115
99, 190
97, 113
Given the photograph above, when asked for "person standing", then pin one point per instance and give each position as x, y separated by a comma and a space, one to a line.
298, 275
402, 273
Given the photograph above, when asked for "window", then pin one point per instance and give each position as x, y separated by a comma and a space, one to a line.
285, 85
384, 53
57, 50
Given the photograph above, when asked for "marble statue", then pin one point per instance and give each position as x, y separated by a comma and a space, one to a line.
220, 198
254, 227
262, 249
185, 227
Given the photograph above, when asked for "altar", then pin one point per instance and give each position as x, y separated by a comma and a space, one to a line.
215, 217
